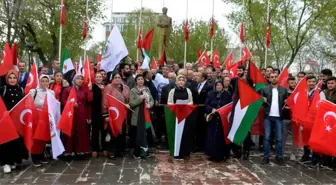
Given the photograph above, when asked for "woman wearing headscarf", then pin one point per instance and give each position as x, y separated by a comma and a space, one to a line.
117, 89
141, 100
97, 117
58, 85
12, 152
216, 147
38, 95
79, 142
180, 93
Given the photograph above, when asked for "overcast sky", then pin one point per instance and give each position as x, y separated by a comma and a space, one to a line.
198, 9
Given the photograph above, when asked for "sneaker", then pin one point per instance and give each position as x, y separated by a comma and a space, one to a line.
327, 167
13, 167
304, 160
265, 161
7, 169
280, 161
292, 157
37, 163
312, 166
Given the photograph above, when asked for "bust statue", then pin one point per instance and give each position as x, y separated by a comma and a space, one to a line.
164, 23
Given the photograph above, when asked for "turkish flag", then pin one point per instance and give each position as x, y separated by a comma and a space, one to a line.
153, 64
246, 55
32, 81
242, 32
88, 72
228, 61
23, 115
15, 54
284, 75
323, 134
117, 114
309, 123
258, 125
215, 59
42, 131
7, 60
139, 46
300, 134
186, 31
63, 16
298, 102
85, 27
7, 128
225, 113
66, 120
234, 70
99, 59
268, 34
204, 59
212, 28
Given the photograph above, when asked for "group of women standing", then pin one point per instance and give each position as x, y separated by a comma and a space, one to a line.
90, 113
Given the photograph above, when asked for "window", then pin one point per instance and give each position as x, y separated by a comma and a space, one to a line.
107, 27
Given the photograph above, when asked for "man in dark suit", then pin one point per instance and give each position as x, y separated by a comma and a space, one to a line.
23, 74
203, 87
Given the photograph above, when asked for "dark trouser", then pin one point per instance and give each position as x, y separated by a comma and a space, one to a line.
116, 146
98, 130
306, 151
201, 128
37, 157
159, 123
269, 123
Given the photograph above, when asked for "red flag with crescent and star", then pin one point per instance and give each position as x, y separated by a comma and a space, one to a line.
117, 113
245, 55
234, 69
7, 128
323, 134
99, 59
284, 75
32, 81
204, 59
7, 60
139, 46
228, 61
186, 31
268, 34
242, 32
225, 113
212, 28
85, 27
23, 115
298, 102
42, 131
63, 16
65, 123
215, 59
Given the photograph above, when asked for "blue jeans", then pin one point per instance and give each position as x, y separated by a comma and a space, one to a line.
269, 123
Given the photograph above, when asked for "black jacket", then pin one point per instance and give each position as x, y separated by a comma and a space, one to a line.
152, 89
201, 97
234, 82
165, 92
282, 96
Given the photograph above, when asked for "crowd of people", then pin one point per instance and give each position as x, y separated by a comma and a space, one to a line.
208, 87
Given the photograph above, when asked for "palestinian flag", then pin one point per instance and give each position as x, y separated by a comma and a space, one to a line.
67, 66
143, 123
181, 125
256, 76
246, 105
145, 49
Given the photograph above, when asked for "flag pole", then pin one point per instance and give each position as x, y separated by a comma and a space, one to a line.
213, 12
111, 16
242, 44
86, 19
139, 28
185, 41
267, 20
60, 36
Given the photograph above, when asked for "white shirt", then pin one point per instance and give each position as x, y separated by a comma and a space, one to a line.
274, 111
201, 85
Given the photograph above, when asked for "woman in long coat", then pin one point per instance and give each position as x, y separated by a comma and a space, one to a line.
12, 153
141, 100
117, 89
79, 142
215, 146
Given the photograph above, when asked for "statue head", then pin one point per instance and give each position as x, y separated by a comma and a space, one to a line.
164, 10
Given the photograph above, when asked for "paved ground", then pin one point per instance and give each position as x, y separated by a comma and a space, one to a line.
161, 169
